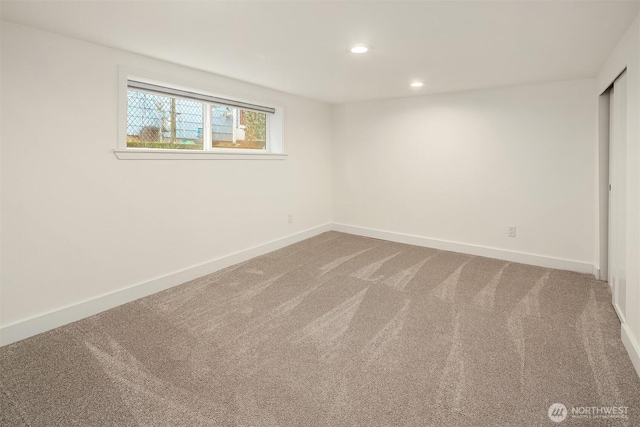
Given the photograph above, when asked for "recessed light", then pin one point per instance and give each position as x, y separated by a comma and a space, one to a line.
417, 84
359, 48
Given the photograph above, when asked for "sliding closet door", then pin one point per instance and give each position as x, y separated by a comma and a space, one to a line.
617, 194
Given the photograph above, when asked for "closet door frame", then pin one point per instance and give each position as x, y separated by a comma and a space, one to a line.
617, 212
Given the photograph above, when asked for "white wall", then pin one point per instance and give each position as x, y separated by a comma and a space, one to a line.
77, 222
461, 167
627, 55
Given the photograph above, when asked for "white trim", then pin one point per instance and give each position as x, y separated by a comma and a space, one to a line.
56, 318
631, 345
275, 132
524, 258
207, 137
596, 272
602, 186
71, 313
238, 154
618, 311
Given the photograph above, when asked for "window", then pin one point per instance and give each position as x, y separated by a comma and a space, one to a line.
163, 122
165, 119
238, 128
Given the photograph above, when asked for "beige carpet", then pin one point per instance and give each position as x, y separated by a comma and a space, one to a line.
337, 330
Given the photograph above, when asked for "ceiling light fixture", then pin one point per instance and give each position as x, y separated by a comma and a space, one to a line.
360, 48
417, 84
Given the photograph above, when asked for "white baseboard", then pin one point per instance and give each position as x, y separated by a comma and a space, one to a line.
618, 311
54, 319
524, 258
632, 345
596, 272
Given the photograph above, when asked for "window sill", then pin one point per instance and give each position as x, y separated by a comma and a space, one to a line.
150, 154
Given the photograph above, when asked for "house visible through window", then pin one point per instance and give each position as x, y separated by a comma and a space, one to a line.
166, 118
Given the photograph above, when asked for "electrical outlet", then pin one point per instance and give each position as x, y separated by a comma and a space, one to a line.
290, 218
511, 231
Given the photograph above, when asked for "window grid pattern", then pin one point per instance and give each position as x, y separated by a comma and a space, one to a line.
158, 121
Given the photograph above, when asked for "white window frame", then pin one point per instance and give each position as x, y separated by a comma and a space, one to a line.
274, 149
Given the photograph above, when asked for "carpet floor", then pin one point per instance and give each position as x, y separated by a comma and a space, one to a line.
337, 330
